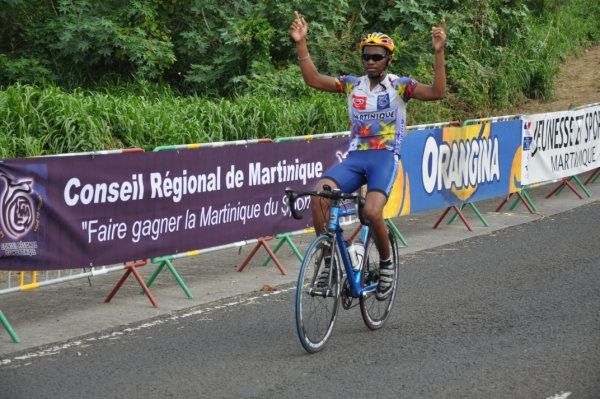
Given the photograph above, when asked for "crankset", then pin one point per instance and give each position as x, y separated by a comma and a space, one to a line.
345, 295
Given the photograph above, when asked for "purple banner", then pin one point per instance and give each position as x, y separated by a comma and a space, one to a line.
79, 211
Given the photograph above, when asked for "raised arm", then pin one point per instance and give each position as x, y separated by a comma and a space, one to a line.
312, 77
436, 91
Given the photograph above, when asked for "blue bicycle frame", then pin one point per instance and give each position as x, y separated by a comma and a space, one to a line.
334, 228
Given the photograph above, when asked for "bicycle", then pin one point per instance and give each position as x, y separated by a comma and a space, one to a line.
316, 303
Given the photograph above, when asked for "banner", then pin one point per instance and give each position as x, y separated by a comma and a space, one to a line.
453, 165
79, 211
560, 144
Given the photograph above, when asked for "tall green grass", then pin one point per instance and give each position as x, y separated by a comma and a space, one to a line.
48, 120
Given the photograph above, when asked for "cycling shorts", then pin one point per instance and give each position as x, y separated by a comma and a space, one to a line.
375, 168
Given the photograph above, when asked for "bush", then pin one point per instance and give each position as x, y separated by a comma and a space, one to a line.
82, 75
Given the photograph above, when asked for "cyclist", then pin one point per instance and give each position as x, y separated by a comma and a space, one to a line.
377, 108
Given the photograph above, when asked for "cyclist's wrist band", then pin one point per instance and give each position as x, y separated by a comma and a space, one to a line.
304, 58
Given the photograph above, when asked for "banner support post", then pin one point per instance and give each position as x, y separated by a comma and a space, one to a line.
166, 261
593, 177
579, 183
131, 268
9, 329
526, 199
523, 197
475, 210
564, 182
458, 212
262, 242
396, 232
283, 239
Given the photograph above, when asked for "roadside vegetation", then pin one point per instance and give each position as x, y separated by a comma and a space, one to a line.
82, 75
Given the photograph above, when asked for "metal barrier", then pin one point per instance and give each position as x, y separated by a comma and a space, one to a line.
436, 125
491, 119
585, 106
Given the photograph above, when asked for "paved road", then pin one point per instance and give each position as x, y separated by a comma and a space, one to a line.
513, 314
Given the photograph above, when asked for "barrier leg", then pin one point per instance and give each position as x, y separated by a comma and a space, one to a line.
593, 177
580, 184
167, 262
504, 202
178, 278
564, 182
530, 201
479, 215
524, 198
460, 215
462, 206
262, 242
284, 238
397, 232
154, 275
9, 329
131, 269
475, 210
442, 217
354, 234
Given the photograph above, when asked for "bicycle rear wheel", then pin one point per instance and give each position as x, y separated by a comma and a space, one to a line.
373, 311
316, 306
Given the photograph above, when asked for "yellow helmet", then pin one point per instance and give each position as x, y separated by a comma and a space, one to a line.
378, 39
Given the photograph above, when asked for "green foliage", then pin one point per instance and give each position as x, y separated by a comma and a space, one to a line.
83, 75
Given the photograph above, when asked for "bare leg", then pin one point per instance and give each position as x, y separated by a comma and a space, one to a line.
374, 204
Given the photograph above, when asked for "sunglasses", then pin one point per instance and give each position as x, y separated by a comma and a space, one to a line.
374, 57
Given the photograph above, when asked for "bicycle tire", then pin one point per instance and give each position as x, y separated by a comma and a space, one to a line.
316, 314
373, 311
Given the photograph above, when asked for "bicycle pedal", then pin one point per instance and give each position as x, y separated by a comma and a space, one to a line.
318, 292
368, 294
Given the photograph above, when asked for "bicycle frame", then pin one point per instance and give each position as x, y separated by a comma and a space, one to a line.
334, 229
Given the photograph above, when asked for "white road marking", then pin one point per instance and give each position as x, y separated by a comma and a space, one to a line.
562, 395
54, 350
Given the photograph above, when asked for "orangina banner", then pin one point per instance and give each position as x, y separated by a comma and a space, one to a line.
452, 165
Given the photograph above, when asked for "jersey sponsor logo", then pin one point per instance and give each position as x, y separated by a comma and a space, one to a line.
359, 102
374, 115
383, 101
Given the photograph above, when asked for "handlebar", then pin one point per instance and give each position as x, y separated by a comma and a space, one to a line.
335, 195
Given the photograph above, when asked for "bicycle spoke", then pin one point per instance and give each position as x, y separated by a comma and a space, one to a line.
315, 313
373, 311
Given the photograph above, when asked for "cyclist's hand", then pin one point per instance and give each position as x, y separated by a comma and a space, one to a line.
299, 28
438, 36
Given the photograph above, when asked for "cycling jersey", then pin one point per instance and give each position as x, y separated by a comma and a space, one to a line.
378, 116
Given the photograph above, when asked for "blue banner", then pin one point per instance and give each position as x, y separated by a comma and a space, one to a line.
455, 165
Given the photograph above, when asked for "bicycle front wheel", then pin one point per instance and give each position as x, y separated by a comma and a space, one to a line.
317, 303
375, 312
